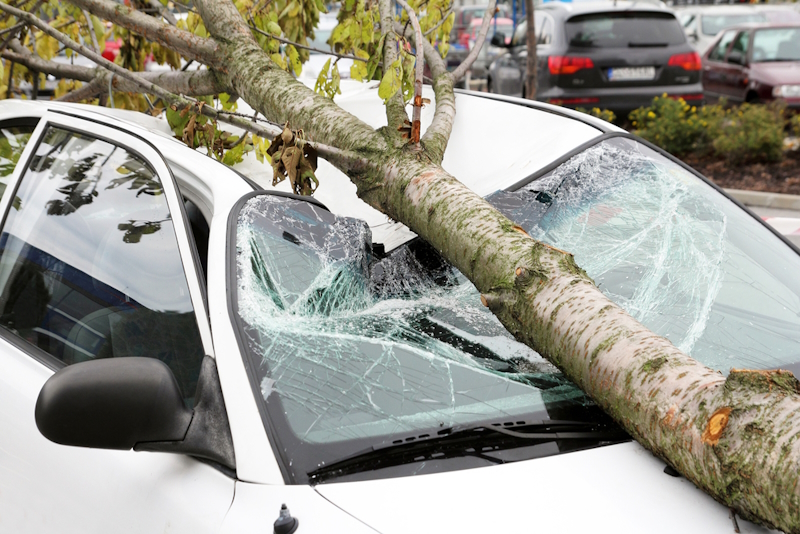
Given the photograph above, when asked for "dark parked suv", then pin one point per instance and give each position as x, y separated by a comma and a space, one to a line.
601, 54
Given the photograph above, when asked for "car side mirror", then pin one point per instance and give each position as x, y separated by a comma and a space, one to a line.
498, 39
736, 58
135, 403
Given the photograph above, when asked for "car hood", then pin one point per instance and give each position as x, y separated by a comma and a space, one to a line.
618, 488
777, 73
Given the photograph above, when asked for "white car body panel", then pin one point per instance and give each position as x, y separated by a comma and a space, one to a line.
45, 487
617, 488
256, 507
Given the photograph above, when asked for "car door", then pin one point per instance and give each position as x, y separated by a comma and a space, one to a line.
733, 78
95, 262
714, 67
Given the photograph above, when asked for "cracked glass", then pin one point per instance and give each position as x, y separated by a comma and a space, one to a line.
352, 351
662, 243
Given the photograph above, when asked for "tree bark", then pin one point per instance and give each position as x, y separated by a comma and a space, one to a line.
736, 438
532, 59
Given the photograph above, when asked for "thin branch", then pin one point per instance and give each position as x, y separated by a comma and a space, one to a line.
12, 29
439, 24
305, 47
164, 12
181, 102
90, 28
396, 115
437, 134
197, 82
85, 92
462, 69
419, 67
201, 49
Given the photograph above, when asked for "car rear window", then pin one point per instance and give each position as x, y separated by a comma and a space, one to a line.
623, 30
713, 24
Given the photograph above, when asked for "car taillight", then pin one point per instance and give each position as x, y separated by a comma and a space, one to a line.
690, 97
568, 64
688, 61
573, 101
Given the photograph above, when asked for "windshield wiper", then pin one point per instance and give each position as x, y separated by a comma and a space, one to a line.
647, 45
463, 440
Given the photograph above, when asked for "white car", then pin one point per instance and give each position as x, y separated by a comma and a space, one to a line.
279, 355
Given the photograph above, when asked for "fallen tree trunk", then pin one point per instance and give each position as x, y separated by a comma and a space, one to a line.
734, 437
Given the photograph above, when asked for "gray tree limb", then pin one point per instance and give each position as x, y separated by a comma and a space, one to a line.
419, 67
185, 43
465, 65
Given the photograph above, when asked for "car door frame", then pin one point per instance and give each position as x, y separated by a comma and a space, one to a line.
148, 152
712, 68
735, 76
192, 495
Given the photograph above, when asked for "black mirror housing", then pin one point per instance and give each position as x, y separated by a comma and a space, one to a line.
736, 58
112, 403
498, 39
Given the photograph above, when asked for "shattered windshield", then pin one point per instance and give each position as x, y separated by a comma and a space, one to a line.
352, 351
680, 257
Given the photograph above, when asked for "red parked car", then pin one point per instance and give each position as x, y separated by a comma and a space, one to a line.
754, 63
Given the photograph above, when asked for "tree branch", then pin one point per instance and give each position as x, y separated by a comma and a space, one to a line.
192, 83
85, 92
396, 115
306, 47
419, 66
90, 28
439, 24
462, 69
437, 134
185, 43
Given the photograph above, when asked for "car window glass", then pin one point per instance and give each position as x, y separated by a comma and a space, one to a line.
623, 30
777, 44
718, 53
682, 259
12, 142
713, 24
520, 34
740, 45
545, 34
89, 262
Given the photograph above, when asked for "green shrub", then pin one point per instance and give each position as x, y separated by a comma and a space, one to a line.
794, 123
752, 133
676, 126
605, 114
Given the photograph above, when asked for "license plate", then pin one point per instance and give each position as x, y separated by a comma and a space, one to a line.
631, 73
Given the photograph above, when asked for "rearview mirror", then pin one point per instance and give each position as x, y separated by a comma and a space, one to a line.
112, 403
498, 39
736, 57
135, 403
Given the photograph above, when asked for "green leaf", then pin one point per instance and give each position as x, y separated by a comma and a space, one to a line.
99, 31
273, 28
294, 60
234, 155
375, 59
392, 81
177, 121
322, 78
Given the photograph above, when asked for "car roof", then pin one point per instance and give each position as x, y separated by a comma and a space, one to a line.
762, 25
567, 10
496, 142
720, 10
